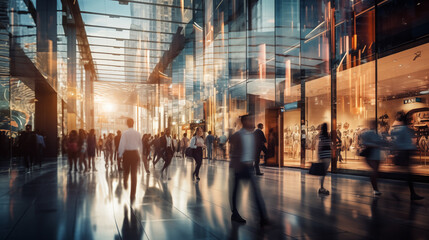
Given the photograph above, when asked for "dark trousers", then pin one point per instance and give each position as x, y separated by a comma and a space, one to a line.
198, 156
29, 159
131, 161
246, 173
374, 165
72, 158
145, 162
258, 158
168, 155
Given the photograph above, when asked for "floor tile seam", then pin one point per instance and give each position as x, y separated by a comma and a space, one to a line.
318, 221
15, 189
19, 220
205, 200
345, 176
202, 226
98, 177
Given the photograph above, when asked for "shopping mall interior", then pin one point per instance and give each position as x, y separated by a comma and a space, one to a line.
184, 65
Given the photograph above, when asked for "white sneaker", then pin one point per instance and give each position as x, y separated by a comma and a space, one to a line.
377, 193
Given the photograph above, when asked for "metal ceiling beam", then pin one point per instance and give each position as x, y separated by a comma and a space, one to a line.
82, 39
109, 65
121, 47
115, 70
153, 4
126, 39
131, 17
115, 60
128, 29
120, 54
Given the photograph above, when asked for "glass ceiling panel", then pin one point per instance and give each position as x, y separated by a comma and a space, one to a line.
128, 40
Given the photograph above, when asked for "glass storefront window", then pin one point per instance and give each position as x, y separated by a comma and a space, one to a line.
403, 85
355, 52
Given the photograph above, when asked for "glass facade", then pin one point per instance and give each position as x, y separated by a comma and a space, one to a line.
40, 77
293, 63
296, 64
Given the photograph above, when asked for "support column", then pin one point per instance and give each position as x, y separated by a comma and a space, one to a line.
46, 106
333, 68
89, 99
71, 76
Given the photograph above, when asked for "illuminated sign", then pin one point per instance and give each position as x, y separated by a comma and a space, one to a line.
412, 100
290, 106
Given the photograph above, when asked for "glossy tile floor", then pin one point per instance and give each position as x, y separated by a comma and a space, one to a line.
52, 204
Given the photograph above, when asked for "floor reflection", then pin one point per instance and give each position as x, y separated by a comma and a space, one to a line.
53, 204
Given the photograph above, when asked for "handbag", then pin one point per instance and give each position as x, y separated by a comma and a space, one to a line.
317, 169
189, 152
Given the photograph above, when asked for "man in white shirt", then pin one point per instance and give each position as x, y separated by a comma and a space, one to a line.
129, 151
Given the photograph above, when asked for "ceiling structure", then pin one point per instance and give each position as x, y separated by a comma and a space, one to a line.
131, 42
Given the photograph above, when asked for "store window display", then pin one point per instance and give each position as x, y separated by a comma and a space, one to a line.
404, 86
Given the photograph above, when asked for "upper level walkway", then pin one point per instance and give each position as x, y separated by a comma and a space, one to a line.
52, 204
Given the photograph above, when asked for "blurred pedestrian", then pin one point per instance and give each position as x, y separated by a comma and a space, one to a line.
197, 145
324, 151
108, 145
83, 148
222, 144
117, 158
158, 149
28, 146
209, 144
72, 150
167, 150
129, 147
175, 144
146, 151
91, 140
260, 146
184, 144
403, 148
372, 146
99, 146
40, 147
242, 153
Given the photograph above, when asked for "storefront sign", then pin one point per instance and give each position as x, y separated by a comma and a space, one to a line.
412, 100
290, 106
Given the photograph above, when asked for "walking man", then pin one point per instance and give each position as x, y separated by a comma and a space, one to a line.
28, 145
129, 147
117, 158
243, 146
260, 142
209, 144
167, 150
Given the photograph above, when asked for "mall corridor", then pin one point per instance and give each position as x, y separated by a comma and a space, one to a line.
54, 204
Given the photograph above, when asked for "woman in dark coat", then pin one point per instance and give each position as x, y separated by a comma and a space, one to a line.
91, 141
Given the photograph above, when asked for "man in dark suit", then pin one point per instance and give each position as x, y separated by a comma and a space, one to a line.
116, 156
158, 151
28, 145
260, 146
167, 150
242, 153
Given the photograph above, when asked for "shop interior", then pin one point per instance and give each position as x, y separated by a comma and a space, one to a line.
402, 85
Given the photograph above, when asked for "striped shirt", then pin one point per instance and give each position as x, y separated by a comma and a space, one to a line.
324, 147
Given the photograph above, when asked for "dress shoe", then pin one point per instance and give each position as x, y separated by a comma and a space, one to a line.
237, 218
